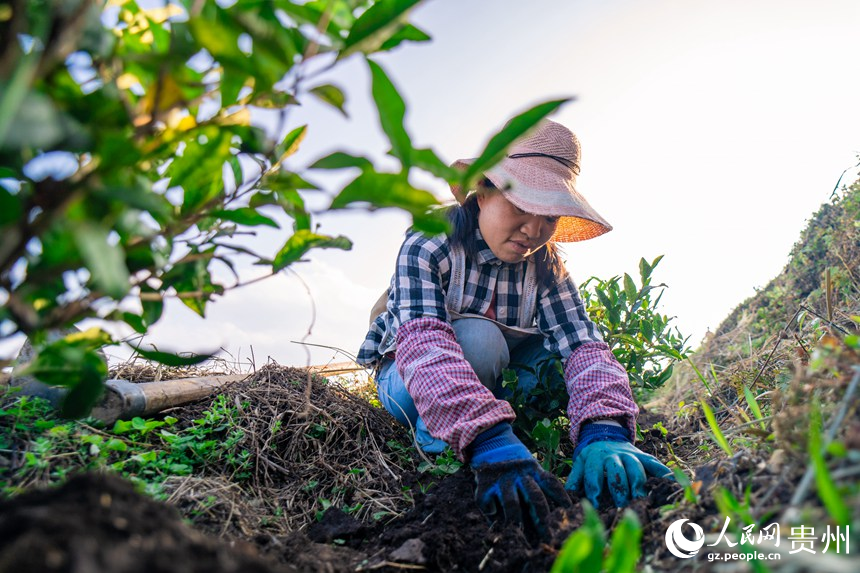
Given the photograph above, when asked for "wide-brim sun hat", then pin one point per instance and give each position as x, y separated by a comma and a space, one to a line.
538, 175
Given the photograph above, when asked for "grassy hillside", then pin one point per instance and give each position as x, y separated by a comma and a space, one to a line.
765, 416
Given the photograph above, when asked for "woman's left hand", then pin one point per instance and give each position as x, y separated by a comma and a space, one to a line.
621, 465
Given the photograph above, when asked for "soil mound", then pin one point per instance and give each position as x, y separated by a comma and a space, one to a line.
98, 522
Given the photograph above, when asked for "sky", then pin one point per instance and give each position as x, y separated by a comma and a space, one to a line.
711, 131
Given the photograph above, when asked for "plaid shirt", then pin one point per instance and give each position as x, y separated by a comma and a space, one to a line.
451, 400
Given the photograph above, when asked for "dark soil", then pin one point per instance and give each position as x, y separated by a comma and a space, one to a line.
100, 523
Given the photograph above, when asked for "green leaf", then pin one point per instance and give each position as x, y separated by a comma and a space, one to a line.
394, 190
10, 207
91, 373
384, 190
331, 95
377, 25
39, 124
244, 216
304, 240
138, 195
105, 262
116, 445
73, 362
236, 168
647, 330
407, 33
577, 549
171, 359
427, 160
630, 289
513, 130
291, 143
283, 179
134, 321
644, 271
392, 111
625, 547
199, 169
341, 160
232, 82
583, 550
151, 309
192, 280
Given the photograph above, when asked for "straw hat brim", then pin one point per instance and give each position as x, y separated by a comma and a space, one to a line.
539, 188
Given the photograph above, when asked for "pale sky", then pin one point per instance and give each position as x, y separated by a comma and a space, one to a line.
711, 131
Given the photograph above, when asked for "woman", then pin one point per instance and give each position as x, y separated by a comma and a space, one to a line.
461, 307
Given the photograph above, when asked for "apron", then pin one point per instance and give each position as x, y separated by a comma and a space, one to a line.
527, 310
454, 304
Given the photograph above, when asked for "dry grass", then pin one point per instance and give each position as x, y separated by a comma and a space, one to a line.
334, 447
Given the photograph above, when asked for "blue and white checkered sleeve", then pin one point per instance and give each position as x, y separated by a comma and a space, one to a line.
418, 279
563, 319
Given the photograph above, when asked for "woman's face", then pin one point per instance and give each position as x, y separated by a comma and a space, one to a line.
512, 234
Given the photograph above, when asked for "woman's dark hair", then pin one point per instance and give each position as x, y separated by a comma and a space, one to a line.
464, 221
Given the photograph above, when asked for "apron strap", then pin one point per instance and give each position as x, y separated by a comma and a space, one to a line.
457, 286
528, 308
457, 282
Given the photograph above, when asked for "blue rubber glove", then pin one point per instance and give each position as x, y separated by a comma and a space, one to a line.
605, 454
510, 481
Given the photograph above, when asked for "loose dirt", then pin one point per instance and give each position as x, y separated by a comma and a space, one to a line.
100, 523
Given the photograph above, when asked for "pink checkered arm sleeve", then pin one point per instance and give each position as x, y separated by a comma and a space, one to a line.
453, 403
597, 384
598, 388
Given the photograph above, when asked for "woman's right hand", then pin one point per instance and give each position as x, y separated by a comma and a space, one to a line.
510, 480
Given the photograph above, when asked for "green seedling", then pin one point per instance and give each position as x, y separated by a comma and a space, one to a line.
586, 550
583, 550
684, 481
730, 506
446, 463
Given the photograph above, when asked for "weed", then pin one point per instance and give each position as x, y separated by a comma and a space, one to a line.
717, 433
148, 450
690, 493
584, 550
446, 463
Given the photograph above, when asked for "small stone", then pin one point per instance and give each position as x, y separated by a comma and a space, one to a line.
412, 551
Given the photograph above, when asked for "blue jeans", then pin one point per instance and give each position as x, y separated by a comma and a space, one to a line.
488, 352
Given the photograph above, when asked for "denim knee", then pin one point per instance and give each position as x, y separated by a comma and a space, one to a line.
484, 347
394, 396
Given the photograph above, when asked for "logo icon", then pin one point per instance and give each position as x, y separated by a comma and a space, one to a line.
679, 545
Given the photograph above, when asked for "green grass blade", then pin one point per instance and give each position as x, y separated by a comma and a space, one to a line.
753, 404
701, 377
715, 428
827, 491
